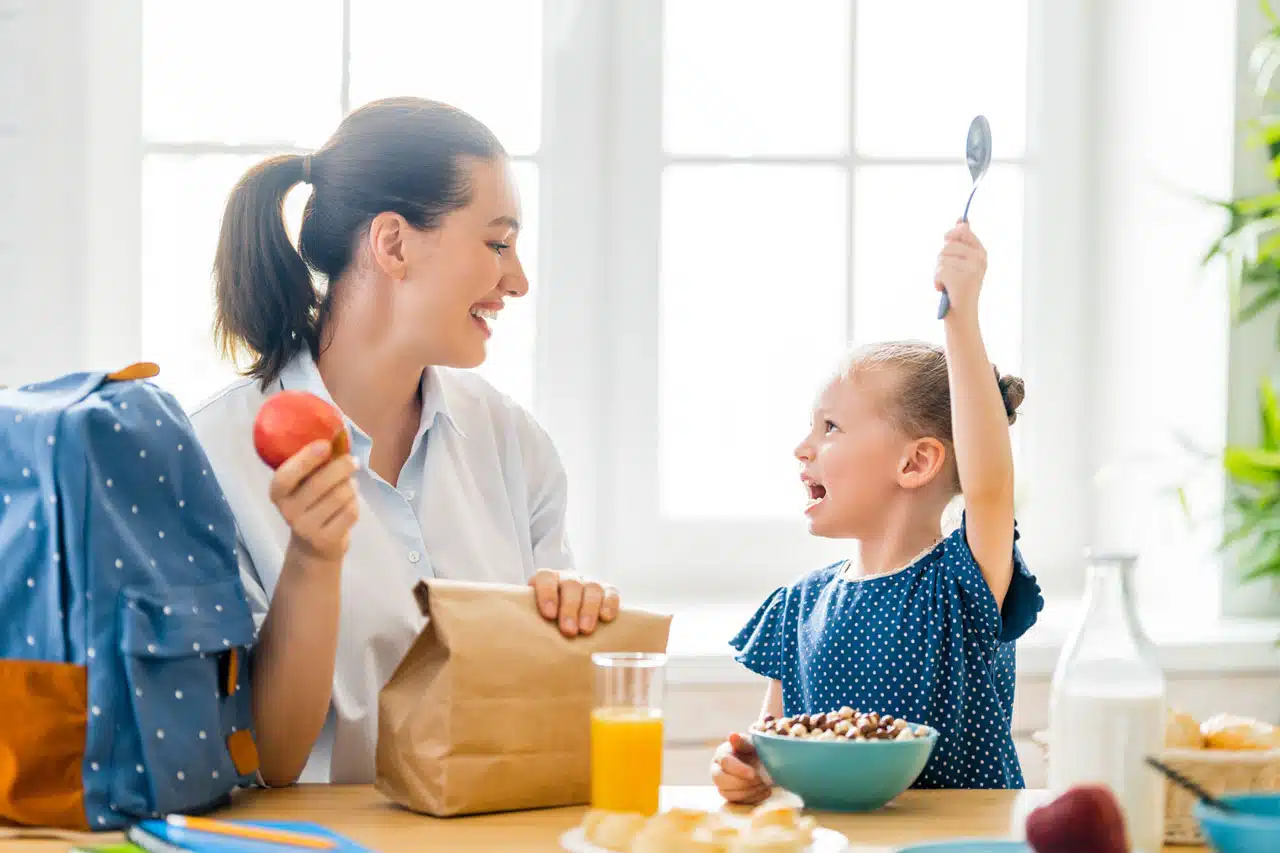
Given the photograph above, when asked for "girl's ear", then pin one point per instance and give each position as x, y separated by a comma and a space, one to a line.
922, 461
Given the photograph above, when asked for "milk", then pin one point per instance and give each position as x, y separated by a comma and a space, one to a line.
1107, 704
1103, 736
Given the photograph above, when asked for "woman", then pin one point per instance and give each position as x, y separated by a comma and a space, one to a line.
412, 224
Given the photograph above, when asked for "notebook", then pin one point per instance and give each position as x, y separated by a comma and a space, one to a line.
156, 836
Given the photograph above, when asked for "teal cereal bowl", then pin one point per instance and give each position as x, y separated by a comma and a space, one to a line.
1255, 828
844, 775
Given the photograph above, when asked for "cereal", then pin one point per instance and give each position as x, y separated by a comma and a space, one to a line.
844, 724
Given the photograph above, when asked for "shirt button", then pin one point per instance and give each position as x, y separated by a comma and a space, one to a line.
414, 556
408, 494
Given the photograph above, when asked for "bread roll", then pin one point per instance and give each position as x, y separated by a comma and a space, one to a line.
612, 830
658, 837
783, 817
767, 815
769, 839
683, 830
1181, 731
1226, 731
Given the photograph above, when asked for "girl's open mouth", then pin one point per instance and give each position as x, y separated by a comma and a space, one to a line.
817, 494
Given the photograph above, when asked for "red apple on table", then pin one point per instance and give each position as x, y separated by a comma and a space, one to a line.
290, 420
1086, 817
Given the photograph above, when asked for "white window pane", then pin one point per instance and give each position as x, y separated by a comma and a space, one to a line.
510, 362
482, 56
265, 71
752, 307
900, 216
182, 203
740, 77
926, 68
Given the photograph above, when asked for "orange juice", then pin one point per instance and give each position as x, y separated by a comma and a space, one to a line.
626, 759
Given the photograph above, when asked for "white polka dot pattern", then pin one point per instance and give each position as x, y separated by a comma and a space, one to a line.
926, 644
148, 598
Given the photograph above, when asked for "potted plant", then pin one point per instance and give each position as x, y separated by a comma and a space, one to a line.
1250, 245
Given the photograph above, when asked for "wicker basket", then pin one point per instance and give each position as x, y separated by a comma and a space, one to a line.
1219, 771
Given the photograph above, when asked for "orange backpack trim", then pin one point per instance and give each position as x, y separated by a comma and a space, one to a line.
244, 752
140, 370
43, 715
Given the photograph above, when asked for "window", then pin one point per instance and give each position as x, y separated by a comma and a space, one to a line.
721, 198
299, 66
805, 167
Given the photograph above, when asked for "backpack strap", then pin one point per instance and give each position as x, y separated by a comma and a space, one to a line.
139, 370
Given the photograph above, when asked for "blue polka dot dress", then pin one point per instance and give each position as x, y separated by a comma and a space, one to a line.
926, 644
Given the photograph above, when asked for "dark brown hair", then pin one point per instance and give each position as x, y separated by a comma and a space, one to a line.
400, 154
921, 404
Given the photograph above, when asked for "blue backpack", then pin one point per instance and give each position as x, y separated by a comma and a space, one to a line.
124, 630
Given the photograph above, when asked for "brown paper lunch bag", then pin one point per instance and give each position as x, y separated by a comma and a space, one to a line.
490, 709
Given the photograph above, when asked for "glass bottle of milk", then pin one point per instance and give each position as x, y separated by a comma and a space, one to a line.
1107, 705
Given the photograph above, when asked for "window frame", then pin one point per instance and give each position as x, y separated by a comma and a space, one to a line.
740, 559
599, 161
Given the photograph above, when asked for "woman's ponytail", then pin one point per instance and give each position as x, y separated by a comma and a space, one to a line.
266, 300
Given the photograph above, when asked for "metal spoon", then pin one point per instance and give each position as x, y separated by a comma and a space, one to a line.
1183, 782
977, 152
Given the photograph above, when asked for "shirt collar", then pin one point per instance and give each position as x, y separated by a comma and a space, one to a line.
438, 399
301, 374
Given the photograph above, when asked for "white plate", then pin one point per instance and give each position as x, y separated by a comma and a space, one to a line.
824, 841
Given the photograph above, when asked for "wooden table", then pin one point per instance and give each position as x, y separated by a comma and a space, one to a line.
367, 818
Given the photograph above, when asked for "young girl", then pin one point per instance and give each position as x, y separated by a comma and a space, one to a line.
920, 626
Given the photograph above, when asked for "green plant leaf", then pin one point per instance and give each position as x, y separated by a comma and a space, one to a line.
1256, 206
1261, 272
1268, 247
1252, 465
1263, 130
1258, 302
1243, 528
1265, 568
1269, 411
1184, 502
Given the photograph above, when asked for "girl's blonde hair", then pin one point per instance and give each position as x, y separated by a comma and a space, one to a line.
920, 402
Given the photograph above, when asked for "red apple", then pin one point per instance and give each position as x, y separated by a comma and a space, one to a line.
290, 420
1086, 817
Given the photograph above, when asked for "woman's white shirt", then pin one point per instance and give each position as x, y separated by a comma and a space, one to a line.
481, 497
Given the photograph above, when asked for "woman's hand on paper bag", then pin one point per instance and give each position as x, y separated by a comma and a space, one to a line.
575, 603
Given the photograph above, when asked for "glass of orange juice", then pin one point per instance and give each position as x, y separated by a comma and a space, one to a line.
626, 732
